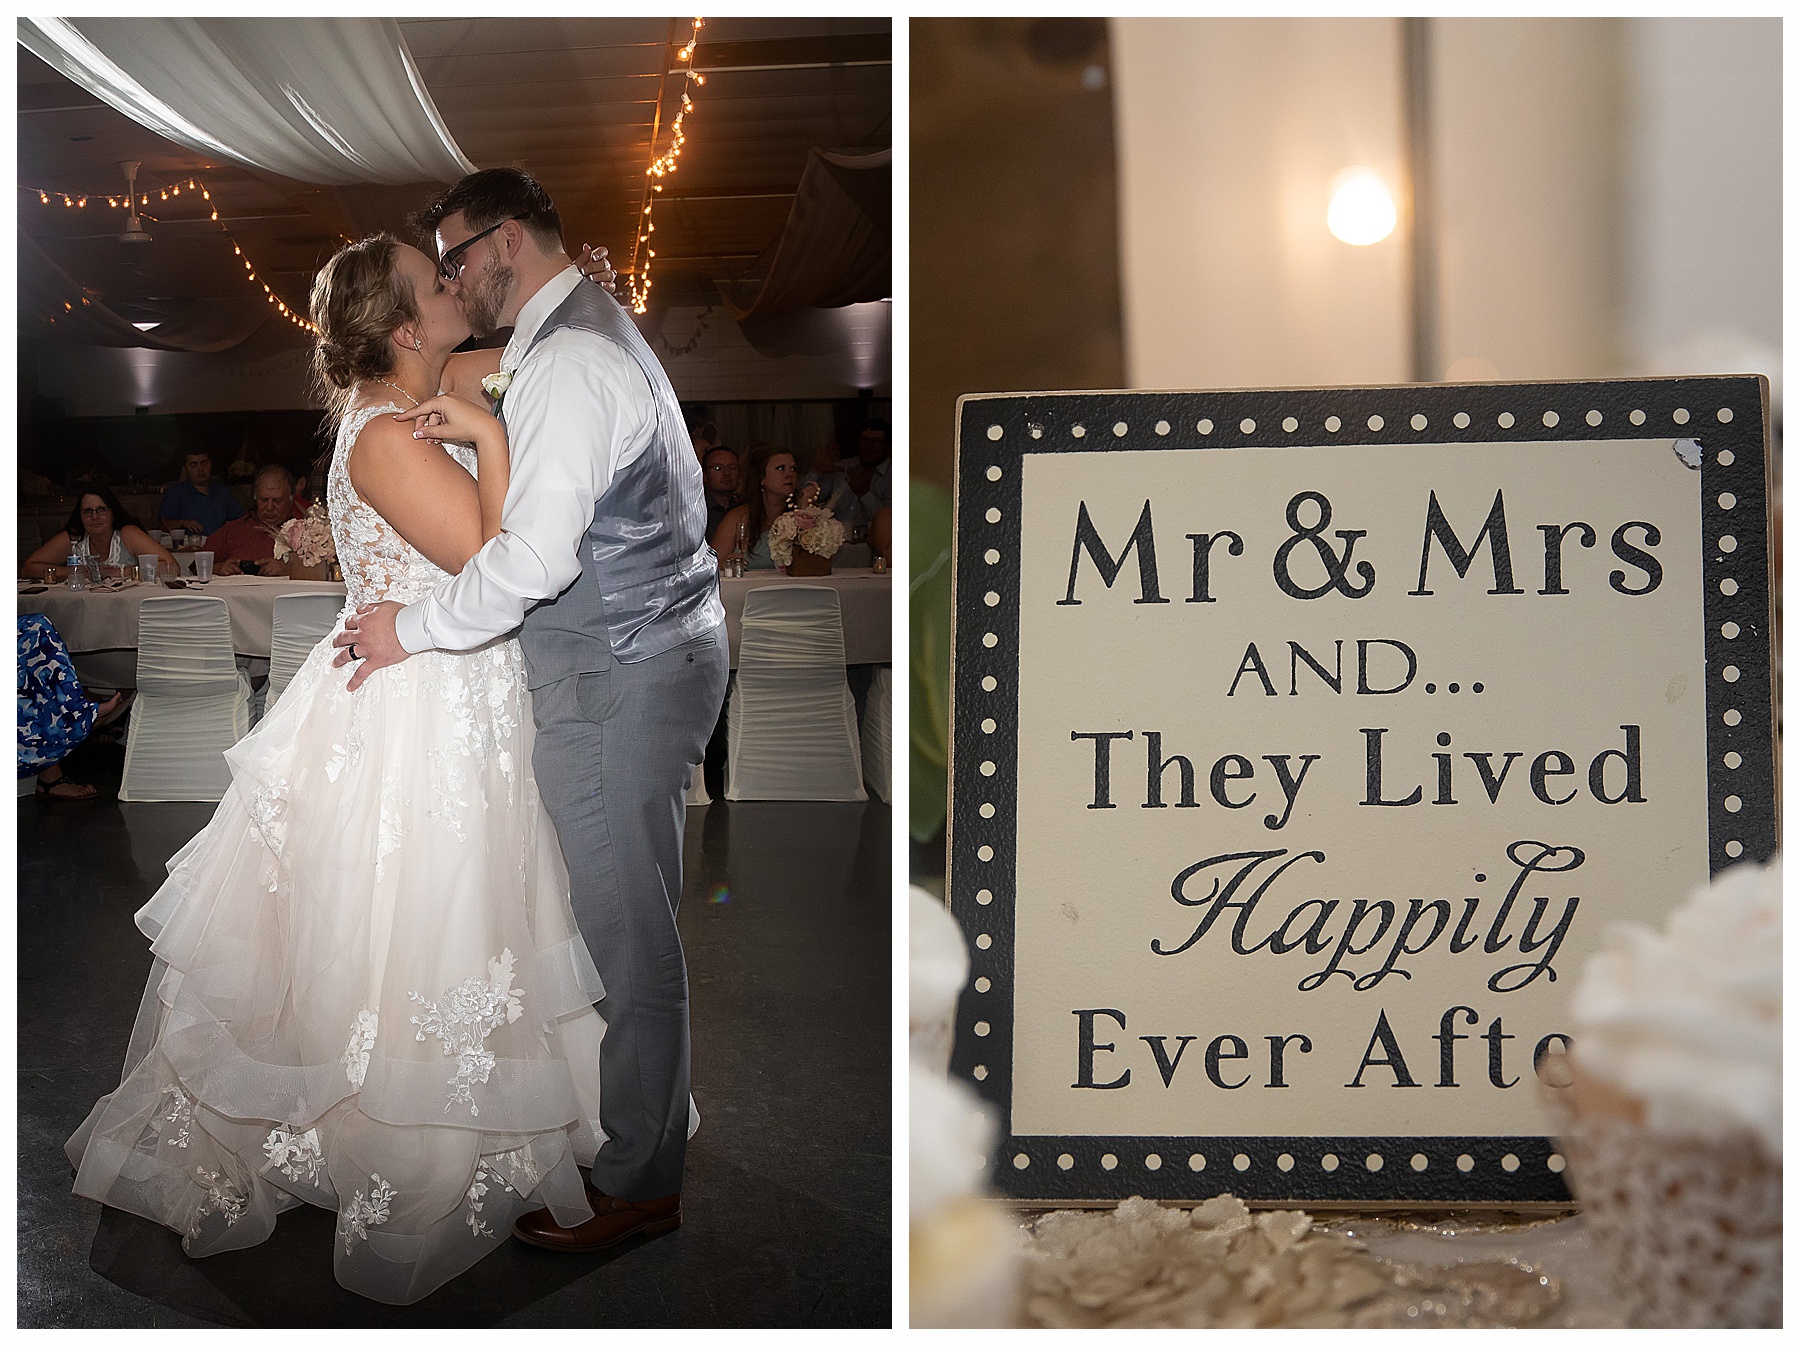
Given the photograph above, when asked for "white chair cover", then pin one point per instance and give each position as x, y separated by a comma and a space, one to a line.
301, 622
696, 790
791, 720
192, 703
878, 733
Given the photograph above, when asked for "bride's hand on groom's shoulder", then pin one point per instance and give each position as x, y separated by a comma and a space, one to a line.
595, 266
448, 416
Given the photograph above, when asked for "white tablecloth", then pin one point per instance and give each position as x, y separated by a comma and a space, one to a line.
90, 621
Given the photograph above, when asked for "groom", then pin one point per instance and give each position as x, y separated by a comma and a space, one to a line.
604, 561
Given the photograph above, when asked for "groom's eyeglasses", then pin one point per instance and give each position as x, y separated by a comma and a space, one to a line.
450, 267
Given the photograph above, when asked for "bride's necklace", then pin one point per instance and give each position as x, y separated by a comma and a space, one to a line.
397, 388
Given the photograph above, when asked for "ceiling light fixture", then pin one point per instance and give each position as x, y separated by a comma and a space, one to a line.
135, 233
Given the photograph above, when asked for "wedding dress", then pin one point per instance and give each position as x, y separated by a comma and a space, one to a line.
369, 992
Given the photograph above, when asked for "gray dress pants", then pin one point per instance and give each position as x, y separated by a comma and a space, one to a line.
612, 757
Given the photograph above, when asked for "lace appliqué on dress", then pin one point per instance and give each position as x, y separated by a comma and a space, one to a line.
178, 1112
368, 1208
356, 1053
221, 1195
297, 1157
462, 1021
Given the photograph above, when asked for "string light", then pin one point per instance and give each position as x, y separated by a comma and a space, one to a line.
637, 281
125, 202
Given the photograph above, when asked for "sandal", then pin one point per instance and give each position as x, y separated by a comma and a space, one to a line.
113, 707
64, 788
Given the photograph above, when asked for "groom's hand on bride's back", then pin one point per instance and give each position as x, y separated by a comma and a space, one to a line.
369, 641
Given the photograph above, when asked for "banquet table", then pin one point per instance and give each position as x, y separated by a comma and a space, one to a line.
95, 624
100, 627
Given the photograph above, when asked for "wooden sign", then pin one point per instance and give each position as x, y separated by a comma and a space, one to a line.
1305, 742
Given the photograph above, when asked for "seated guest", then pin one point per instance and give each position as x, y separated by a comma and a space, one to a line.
868, 474
98, 526
834, 489
197, 502
246, 546
55, 715
770, 475
719, 475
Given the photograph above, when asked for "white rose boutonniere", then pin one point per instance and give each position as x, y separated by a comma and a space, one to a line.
495, 386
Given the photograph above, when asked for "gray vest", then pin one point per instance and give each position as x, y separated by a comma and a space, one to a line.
649, 581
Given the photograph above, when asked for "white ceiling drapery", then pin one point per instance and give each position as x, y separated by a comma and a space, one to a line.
326, 101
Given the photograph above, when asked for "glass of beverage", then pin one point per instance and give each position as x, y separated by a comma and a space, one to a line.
203, 562
147, 567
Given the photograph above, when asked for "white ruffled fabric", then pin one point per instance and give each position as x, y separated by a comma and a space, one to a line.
369, 991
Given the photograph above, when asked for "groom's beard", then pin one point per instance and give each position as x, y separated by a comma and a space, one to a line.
483, 297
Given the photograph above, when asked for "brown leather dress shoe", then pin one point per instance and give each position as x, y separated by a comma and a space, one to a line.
614, 1221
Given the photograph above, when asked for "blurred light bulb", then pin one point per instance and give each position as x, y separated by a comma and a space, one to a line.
1362, 209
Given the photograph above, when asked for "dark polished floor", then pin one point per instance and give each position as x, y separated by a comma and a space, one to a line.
787, 1205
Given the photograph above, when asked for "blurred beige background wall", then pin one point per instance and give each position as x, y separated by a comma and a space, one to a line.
1607, 193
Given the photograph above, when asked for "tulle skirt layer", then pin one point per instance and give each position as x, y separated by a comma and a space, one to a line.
369, 993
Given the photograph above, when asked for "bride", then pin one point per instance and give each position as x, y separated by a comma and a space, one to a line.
369, 992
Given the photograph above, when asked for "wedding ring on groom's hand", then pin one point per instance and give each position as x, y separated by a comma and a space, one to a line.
353, 653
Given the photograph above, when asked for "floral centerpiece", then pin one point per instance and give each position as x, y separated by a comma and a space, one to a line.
308, 538
804, 540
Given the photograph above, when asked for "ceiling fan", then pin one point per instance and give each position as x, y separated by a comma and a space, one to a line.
134, 228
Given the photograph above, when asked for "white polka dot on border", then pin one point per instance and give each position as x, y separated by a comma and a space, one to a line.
1594, 418
1460, 420
994, 432
1506, 420
1162, 427
1333, 424
1551, 420
1290, 424
1376, 423
1638, 418
1205, 427
1119, 429
1247, 426
1418, 421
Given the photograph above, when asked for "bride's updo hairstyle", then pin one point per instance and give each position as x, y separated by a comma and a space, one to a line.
358, 298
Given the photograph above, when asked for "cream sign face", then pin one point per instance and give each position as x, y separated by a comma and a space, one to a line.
1305, 745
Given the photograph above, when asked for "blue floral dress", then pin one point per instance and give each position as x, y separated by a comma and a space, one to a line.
54, 713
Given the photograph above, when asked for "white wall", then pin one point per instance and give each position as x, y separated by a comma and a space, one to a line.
1703, 218
260, 375
833, 355
1527, 126
1229, 133
1608, 191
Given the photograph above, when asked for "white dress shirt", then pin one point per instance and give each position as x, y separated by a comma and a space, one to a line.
577, 410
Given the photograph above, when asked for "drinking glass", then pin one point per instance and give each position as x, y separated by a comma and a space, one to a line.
203, 563
147, 567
